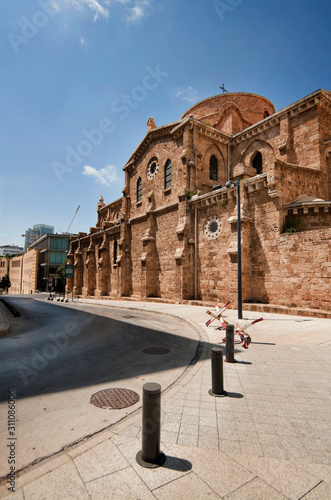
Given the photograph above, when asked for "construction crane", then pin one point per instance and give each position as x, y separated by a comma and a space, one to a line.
34, 236
72, 220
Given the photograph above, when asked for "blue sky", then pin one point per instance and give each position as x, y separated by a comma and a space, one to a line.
80, 78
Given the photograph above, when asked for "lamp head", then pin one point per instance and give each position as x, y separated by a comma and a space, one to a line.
228, 184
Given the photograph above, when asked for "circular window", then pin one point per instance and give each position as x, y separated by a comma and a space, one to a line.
152, 168
213, 227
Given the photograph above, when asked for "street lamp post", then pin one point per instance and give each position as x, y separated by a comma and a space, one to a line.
228, 185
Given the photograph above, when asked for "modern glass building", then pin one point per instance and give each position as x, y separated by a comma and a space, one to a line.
38, 230
53, 252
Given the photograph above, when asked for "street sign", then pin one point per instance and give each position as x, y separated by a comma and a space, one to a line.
69, 270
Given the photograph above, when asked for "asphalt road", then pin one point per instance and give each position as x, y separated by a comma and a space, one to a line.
57, 356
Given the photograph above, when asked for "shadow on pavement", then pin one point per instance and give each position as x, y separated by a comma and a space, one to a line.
57, 348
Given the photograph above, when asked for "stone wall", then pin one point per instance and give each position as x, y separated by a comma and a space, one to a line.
276, 268
23, 272
163, 149
4, 266
304, 270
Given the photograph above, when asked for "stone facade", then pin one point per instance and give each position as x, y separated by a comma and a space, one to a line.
23, 272
4, 266
173, 234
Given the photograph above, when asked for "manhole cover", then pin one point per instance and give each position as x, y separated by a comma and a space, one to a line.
114, 399
155, 350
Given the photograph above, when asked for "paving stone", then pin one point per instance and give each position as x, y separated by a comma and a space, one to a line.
256, 489
228, 445
321, 471
222, 475
321, 491
251, 448
274, 450
174, 468
190, 420
189, 429
189, 486
122, 485
188, 410
17, 495
127, 435
188, 439
130, 449
285, 476
168, 437
100, 461
63, 482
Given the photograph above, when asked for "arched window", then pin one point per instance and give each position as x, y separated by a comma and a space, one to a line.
139, 189
115, 251
167, 174
265, 114
213, 168
257, 163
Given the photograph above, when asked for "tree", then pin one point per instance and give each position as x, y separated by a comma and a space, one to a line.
5, 282
59, 278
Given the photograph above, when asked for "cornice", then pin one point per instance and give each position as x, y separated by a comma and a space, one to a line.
98, 234
156, 211
221, 196
151, 135
317, 206
109, 205
317, 98
214, 133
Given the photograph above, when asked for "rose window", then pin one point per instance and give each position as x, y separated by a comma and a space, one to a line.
212, 227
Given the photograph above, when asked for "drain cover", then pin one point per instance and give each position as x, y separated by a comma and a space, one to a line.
114, 399
155, 350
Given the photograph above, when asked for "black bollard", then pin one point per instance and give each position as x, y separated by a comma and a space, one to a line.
229, 344
150, 455
217, 373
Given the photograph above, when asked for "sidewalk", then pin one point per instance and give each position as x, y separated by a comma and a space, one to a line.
269, 439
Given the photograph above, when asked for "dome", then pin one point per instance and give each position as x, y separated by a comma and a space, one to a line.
231, 112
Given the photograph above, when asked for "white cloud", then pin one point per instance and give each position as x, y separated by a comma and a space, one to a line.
84, 42
99, 8
104, 176
188, 94
135, 13
54, 5
134, 10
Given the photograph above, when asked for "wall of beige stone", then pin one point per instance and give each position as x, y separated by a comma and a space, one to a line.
275, 266
164, 149
167, 242
23, 272
30, 271
15, 274
4, 266
204, 146
304, 270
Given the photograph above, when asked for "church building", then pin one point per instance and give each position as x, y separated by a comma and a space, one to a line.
173, 233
